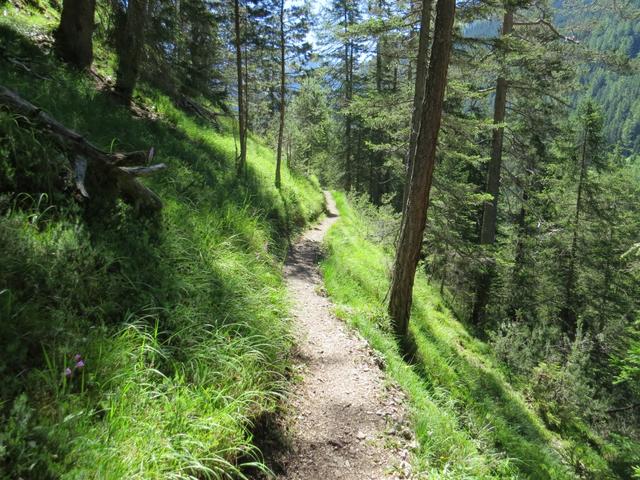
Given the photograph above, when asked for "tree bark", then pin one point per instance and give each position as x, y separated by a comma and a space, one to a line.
247, 120
74, 34
130, 54
490, 209
282, 96
241, 112
376, 159
415, 212
421, 80
568, 313
348, 65
489, 215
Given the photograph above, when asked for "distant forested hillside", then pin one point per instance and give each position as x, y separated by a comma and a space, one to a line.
610, 68
617, 93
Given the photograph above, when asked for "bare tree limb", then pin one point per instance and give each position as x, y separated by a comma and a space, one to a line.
550, 26
623, 409
116, 169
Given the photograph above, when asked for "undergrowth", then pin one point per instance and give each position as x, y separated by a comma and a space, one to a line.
136, 348
469, 421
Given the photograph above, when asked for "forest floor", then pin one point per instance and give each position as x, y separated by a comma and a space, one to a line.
346, 421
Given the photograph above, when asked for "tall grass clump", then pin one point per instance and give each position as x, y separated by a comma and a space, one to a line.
469, 421
135, 347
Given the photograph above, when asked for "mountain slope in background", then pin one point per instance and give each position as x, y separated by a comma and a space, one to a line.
614, 40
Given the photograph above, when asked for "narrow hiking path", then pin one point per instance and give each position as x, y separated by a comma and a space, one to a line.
345, 422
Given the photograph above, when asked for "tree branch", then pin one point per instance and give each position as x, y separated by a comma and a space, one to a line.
550, 26
108, 168
622, 409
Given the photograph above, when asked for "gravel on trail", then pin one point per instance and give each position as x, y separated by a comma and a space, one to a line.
345, 421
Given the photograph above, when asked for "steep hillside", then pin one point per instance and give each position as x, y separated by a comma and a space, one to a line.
135, 347
470, 420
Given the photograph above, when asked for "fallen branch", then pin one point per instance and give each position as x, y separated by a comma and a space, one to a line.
199, 110
26, 68
623, 409
115, 170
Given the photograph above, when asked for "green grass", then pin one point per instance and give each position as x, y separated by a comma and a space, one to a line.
183, 323
470, 423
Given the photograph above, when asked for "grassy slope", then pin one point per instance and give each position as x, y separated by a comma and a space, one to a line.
470, 422
182, 325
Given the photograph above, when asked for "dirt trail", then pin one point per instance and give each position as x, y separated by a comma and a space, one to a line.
346, 424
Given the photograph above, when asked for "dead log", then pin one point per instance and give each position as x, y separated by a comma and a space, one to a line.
120, 170
198, 110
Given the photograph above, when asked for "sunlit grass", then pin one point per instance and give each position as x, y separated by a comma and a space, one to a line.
183, 324
469, 422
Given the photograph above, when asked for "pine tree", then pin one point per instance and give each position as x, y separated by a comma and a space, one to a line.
415, 213
74, 35
589, 143
242, 160
131, 49
490, 211
282, 96
421, 80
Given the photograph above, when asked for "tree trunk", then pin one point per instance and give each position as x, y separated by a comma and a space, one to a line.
569, 311
356, 160
348, 65
421, 80
606, 287
394, 84
247, 120
282, 95
490, 210
415, 212
241, 118
131, 49
379, 65
489, 215
74, 34
518, 273
376, 159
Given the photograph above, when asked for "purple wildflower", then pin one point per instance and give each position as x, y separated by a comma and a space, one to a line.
68, 372
77, 357
80, 364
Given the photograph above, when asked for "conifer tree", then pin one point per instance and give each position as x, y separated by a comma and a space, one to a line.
490, 211
282, 96
242, 160
74, 35
421, 79
415, 213
131, 49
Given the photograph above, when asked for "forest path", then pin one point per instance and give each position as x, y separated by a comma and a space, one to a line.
345, 422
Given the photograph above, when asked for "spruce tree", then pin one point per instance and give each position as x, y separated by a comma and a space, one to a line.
74, 35
131, 49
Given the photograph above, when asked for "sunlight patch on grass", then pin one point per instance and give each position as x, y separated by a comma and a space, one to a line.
469, 422
183, 324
